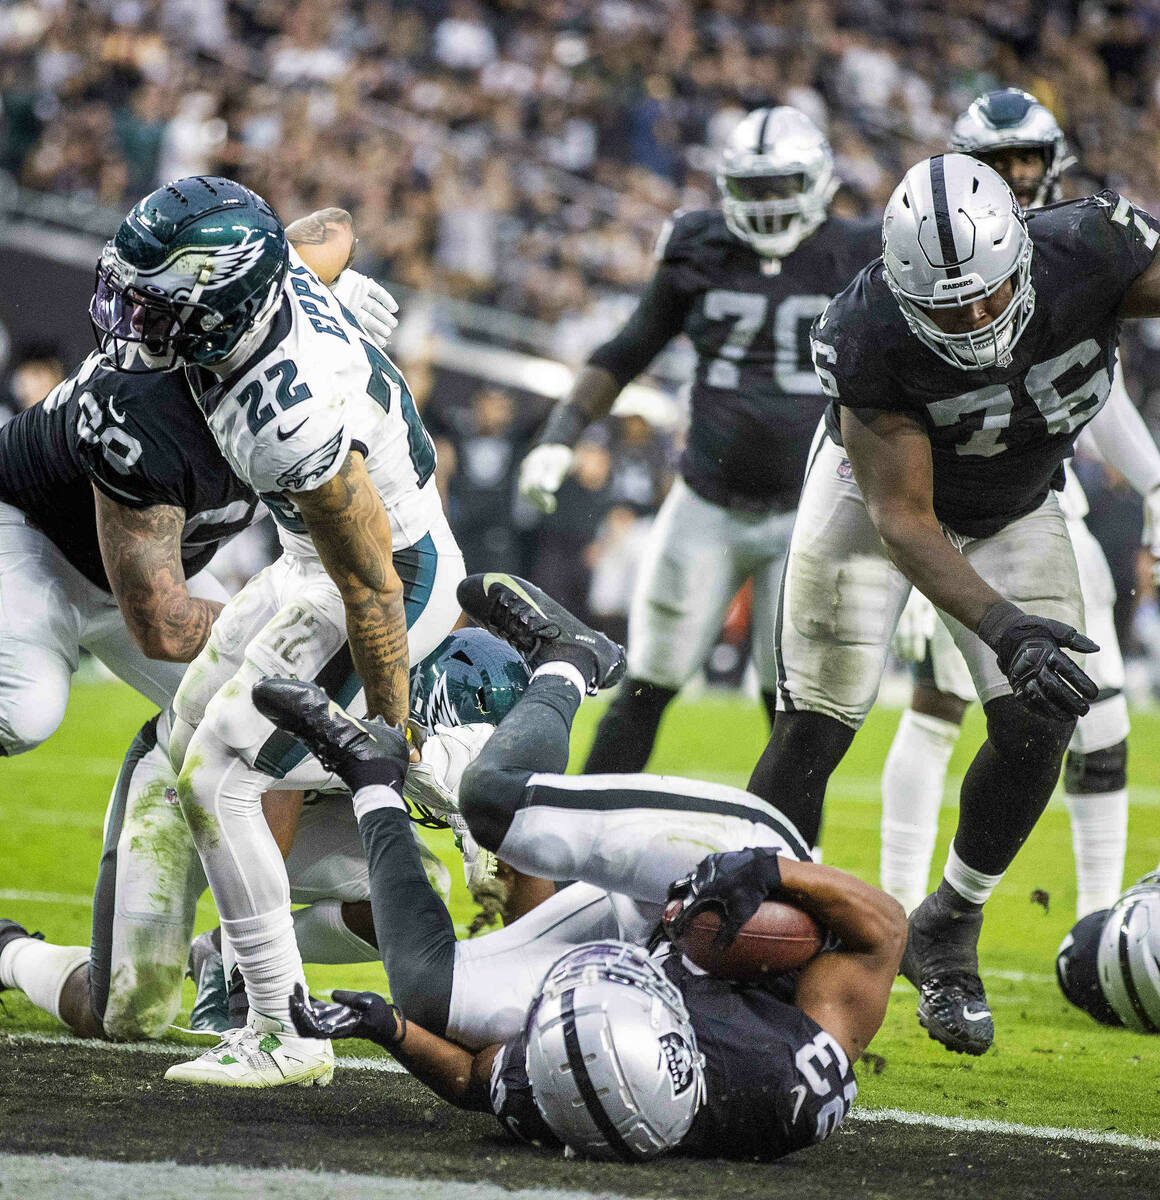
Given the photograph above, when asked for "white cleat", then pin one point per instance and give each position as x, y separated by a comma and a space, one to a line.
257, 1058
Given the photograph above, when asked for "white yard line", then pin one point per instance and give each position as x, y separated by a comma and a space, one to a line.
45, 897
1091, 1137
56, 1177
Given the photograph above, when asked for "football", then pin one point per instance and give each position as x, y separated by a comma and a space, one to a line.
778, 937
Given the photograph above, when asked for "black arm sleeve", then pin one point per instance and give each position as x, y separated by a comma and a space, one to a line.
412, 924
658, 318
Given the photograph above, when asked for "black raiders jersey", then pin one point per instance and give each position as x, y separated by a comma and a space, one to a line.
998, 436
142, 441
775, 1081
755, 400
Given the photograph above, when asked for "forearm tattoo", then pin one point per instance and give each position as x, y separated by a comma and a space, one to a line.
352, 534
141, 549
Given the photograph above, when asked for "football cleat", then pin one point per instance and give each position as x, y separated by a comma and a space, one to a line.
941, 960
10, 931
251, 1057
210, 1012
539, 628
342, 743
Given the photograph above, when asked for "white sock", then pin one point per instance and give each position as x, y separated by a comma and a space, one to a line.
913, 780
270, 977
1099, 839
566, 671
324, 937
972, 885
40, 970
376, 795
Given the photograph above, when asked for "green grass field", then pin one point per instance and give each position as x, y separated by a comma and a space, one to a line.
1050, 1065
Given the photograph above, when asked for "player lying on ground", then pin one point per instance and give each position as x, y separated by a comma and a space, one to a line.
961, 367
127, 986
316, 419
1015, 135
1109, 964
661, 1055
114, 498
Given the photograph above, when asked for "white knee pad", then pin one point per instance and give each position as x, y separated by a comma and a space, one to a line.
31, 713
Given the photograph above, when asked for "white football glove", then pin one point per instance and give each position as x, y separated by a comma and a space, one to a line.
1152, 529
433, 781
915, 628
374, 306
542, 472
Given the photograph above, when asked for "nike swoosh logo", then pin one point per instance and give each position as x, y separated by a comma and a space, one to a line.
286, 434
985, 1015
509, 582
336, 712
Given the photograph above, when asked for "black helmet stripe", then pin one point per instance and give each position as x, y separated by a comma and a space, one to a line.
760, 147
584, 1081
1126, 971
942, 216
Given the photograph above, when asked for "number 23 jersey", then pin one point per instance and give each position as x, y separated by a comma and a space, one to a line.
315, 389
775, 1081
998, 436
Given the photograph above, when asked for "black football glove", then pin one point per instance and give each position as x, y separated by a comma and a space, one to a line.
352, 1015
1030, 653
735, 884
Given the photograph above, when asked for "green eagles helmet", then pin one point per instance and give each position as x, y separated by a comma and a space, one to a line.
194, 266
471, 676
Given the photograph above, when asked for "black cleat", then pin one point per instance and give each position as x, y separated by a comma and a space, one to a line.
10, 930
358, 752
539, 628
941, 960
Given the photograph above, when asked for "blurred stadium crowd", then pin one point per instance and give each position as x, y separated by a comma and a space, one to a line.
522, 154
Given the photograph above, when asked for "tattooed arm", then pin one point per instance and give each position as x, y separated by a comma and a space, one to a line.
141, 549
352, 534
325, 242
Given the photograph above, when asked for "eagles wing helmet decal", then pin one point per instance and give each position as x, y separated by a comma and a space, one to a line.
232, 262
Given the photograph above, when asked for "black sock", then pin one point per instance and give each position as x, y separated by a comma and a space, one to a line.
387, 771
628, 730
792, 773
1008, 784
412, 925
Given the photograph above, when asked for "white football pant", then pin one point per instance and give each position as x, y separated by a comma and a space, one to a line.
288, 620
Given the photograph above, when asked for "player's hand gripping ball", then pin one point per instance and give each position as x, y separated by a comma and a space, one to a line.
726, 917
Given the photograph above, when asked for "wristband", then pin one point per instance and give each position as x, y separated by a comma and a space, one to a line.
995, 621
565, 425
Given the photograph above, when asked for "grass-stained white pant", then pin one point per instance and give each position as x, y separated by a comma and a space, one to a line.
288, 620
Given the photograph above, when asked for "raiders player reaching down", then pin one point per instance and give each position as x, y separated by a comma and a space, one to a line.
312, 415
662, 1055
744, 282
961, 368
1012, 132
113, 490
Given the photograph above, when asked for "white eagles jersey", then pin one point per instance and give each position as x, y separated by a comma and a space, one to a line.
316, 388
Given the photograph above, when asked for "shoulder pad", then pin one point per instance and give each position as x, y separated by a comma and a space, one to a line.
301, 449
690, 230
